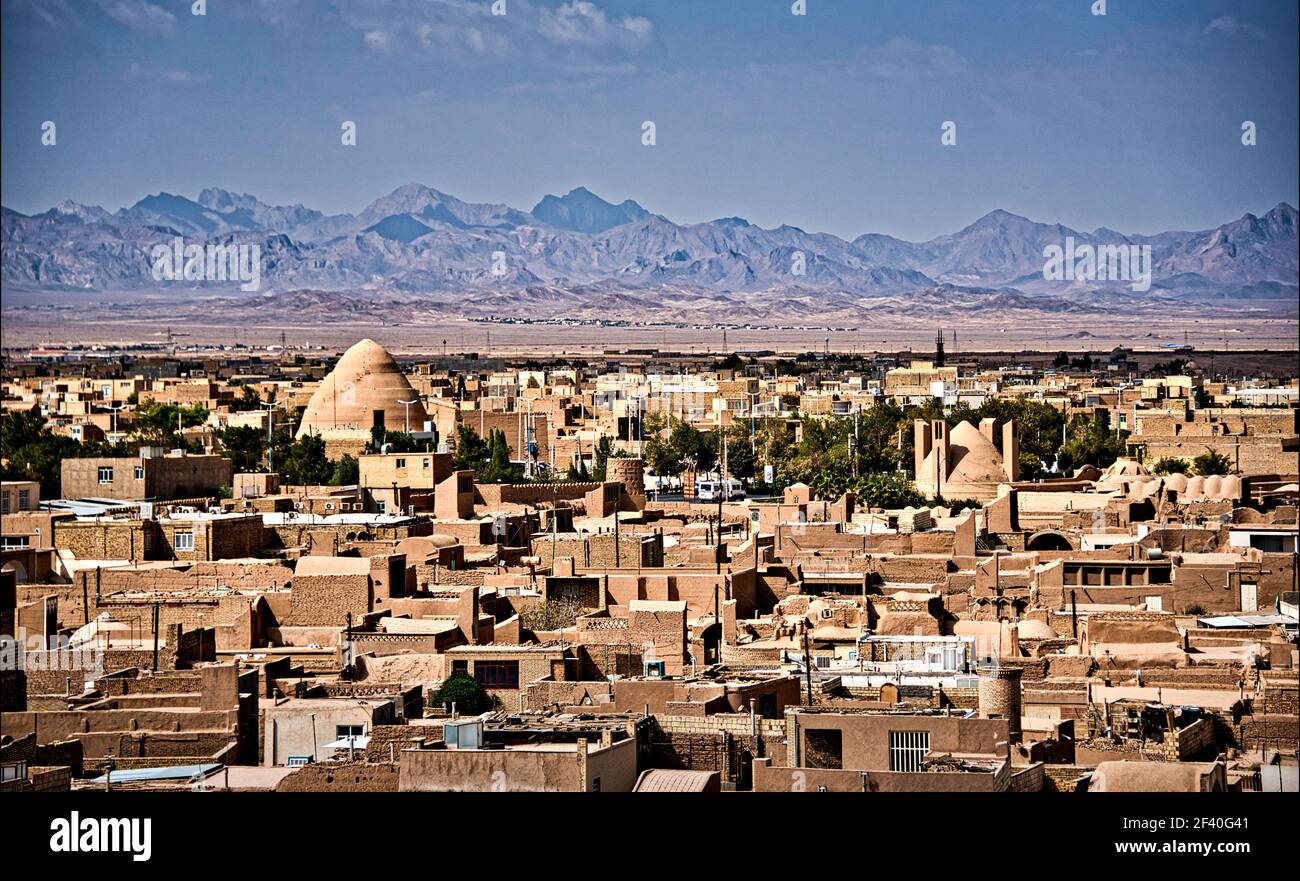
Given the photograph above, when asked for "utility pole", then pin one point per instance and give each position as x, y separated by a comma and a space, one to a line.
717, 620
155, 637
807, 666
406, 408
270, 422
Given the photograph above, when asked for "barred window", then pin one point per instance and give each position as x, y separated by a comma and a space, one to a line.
907, 749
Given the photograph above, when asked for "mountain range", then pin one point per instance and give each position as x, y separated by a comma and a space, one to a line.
417, 241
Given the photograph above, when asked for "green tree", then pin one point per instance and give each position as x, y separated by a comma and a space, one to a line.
471, 450
31, 451
160, 424
1090, 442
604, 447
347, 472
1210, 463
305, 463
1031, 467
668, 456
1171, 465
466, 692
248, 399
578, 472
243, 445
396, 441
499, 468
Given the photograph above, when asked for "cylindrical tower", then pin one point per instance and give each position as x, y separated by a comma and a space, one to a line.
999, 697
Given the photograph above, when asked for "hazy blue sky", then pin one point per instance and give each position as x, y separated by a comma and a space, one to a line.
829, 121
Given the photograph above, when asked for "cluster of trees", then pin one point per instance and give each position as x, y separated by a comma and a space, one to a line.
872, 452
490, 459
1207, 464
31, 451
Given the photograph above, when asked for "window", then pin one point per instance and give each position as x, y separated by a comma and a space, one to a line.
497, 674
381, 507
4, 503
183, 540
105, 474
906, 749
24, 499
823, 748
342, 731
139, 472
401, 463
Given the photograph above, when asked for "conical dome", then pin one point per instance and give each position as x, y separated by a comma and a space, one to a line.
365, 390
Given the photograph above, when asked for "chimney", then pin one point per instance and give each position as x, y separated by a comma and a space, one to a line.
1011, 450
922, 441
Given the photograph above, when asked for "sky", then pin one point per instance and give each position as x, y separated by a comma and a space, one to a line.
830, 121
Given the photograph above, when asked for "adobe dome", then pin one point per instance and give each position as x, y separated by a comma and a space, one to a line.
364, 390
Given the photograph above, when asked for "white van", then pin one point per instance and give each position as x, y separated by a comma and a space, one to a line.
712, 490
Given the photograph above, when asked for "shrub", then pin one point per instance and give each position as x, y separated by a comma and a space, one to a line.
466, 692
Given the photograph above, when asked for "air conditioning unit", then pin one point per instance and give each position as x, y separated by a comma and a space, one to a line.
822, 662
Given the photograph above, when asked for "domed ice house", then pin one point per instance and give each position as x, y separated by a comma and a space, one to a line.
364, 391
966, 462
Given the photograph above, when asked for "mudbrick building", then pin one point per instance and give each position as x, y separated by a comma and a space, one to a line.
429, 629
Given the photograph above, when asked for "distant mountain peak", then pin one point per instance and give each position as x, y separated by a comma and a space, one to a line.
581, 210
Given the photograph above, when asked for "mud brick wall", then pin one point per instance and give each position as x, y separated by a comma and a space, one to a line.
1061, 778
722, 743
666, 631
925, 696
40, 779
432, 576
341, 777
65, 752
1271, 732
71, 609
494, 495
1194, 677
326, 600
52, 673
1031, 669
919, 570
1070, 665
1182, 745
1280, 698
131, 682
1031, 779
398, 738
108, 539
595, 551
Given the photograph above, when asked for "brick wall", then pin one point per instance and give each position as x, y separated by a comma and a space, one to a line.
341, 777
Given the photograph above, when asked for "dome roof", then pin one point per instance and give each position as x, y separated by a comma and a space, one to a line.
364, 382
977, 460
